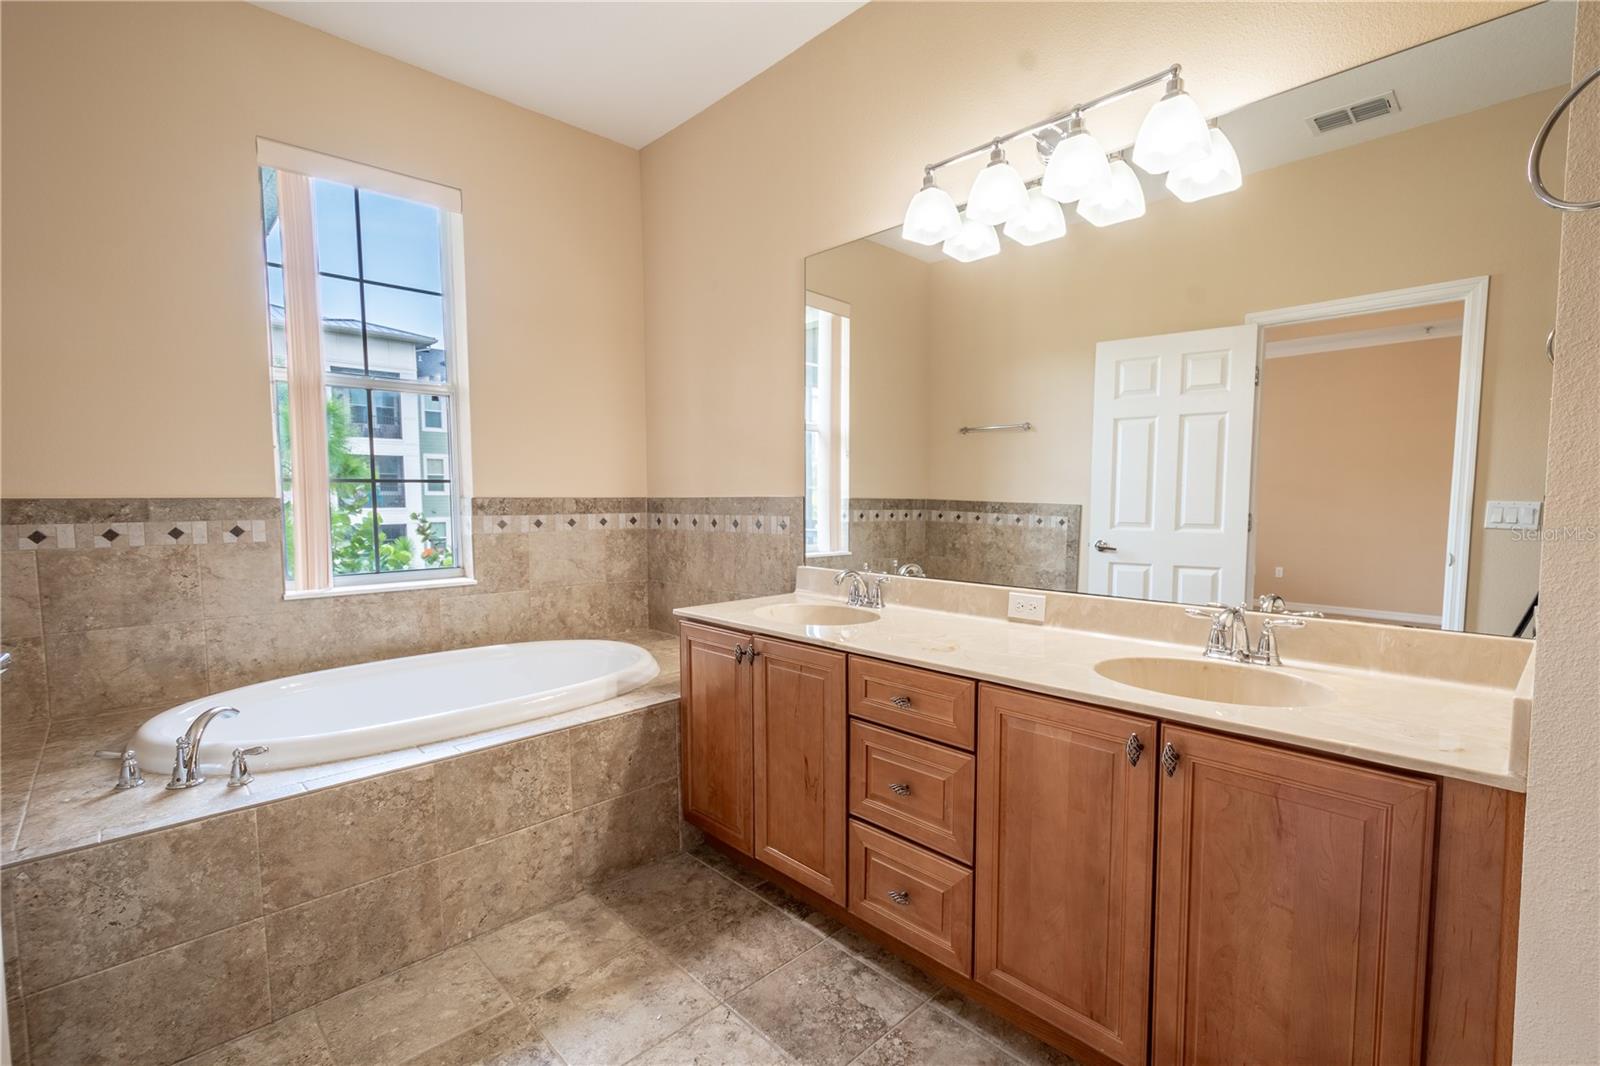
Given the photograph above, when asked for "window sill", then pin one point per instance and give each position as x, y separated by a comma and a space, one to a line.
385, 586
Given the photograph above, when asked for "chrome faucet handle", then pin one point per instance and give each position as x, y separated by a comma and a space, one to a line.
180, 767
875, 596
240, 774
1267, 647
128, 775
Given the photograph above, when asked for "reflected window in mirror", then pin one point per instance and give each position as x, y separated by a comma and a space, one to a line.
827, 425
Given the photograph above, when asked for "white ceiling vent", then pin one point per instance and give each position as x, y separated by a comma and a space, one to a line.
1338, 118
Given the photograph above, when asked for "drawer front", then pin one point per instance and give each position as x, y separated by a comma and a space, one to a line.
921, 899
930, 705
918, 789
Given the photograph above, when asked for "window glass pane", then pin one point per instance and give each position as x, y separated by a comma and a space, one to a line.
415, 441
386, 415
433, 412
349, 428
352, 529
280, 414
271, 225
436, 474
415, 541
399, 241
334, 213
339, 303
405, 333
278, 347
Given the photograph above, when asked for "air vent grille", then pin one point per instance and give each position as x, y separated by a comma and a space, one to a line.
1351, 114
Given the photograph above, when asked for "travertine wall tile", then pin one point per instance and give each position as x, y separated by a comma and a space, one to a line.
625, 832
623, 754
100, 670
510, 877
88, 588
499, 790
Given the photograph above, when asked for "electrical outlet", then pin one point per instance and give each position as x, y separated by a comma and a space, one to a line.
1025, 607
1277, 571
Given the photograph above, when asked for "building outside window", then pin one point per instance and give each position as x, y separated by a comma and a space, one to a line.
364, 287
827, 398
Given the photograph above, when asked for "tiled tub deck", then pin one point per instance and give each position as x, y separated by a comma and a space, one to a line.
146, 926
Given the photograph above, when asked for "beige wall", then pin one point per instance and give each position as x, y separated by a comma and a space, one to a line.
888, 297
1558, 957
827, 145
135, 327
1352, 483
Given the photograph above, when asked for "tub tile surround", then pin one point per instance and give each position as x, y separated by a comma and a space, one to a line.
618, 973
1026, 545
271, 910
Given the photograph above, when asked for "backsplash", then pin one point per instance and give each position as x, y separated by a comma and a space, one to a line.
1029, 545
705, 549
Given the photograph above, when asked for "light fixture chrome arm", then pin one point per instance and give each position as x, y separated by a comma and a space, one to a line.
1168, 74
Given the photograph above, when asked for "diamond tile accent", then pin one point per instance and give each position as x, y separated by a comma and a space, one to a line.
176, 533
236, 532
38, 536
111, 534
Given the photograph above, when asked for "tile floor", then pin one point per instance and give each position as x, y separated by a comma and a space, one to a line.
689, 960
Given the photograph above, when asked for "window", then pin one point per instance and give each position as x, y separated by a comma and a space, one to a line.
827, 415
367, 359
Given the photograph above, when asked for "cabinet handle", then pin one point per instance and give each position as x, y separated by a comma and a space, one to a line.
738, 654
1134, 748
900, 898
753, 652
902, 702
900, 789
1169, 759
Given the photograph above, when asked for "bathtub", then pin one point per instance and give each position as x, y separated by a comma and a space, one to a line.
376, 707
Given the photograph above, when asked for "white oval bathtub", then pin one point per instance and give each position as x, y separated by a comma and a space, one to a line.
375, 707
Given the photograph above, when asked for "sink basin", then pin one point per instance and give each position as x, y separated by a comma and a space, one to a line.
817, 614
1219, 682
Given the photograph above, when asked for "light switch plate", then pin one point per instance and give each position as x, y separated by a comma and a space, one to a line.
1025, 607
1512, 514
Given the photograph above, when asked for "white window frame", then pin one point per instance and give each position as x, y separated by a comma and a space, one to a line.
427, 489
831, 423
308, 381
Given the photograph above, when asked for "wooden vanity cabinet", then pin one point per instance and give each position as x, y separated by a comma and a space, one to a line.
800, 789
1292, 906
1066, 838
715, 727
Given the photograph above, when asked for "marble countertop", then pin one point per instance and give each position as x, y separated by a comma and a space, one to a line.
69, 802
1453, 729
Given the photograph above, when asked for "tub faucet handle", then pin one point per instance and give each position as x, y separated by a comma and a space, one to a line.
129, 776
180, 766
240, 773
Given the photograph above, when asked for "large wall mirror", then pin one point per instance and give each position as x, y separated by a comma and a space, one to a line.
1330, 385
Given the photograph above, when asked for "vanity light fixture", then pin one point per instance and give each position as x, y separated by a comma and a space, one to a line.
1077, 164
1040, 221
931, 217
1119, 200
1173, 133
1209, 175
998, 193
1174, 139
977, 240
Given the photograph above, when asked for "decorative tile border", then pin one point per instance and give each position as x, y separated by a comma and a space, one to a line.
124, 536
622, 521
722, 523
1042, 518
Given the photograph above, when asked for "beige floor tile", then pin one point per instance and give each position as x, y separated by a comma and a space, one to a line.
1024, 1046
612, 1014
735, 942
663, 894
534, 955
292, 1041
400, 1016
930, 1037
725, 866
826, 1006
796, 908
873, 954
718, 1038
506, 1040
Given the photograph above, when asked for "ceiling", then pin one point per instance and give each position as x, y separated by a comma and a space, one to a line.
627, 71
1504, 59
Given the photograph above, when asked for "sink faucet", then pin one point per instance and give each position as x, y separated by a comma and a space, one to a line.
864, 591
1229, 638
186, 765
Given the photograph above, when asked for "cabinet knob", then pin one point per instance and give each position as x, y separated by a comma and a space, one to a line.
1134, 748
1169, 759
900, 898
738, 654
900, 788
902, 702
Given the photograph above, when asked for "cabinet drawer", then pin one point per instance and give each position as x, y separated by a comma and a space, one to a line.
916, 788
920, 898
930, 705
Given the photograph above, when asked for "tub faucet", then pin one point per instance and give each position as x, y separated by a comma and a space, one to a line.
186, 763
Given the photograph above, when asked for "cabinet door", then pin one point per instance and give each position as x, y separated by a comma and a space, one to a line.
799, 764
1066, 829
1292, 906
715, 725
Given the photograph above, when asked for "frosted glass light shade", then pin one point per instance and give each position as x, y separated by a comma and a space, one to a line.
977, 240
997, 194
1174, 132
1077, 165
1041, 221
1212, 174
1117, 200
931, 217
